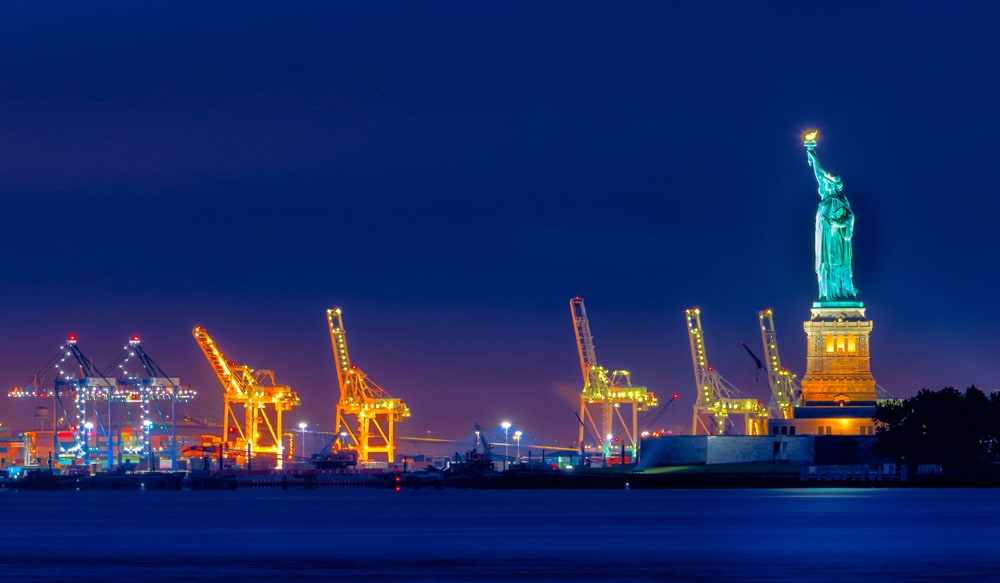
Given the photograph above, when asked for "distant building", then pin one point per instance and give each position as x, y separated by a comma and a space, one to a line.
13, 449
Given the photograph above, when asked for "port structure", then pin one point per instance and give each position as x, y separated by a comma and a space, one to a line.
365, 411
149, 389
718, 400
785, 389
605, 393
257, 395
92, 404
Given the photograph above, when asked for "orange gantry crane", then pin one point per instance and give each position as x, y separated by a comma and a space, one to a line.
261, 399
605, 390
365, 411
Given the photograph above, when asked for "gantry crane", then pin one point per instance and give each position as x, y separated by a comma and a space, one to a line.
152, 387
101, 405
717, 398
606, 391
785, 388
263, 402
365, 410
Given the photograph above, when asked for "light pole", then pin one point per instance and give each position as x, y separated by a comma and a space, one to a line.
149, 444
506, 427
302, 428
86, 442
517, 438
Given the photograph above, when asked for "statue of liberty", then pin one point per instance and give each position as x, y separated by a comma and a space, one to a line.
834, 231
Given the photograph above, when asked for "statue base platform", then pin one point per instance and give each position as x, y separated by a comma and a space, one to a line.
840, 304
822, 311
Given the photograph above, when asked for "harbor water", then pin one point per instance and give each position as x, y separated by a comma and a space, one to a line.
809, 534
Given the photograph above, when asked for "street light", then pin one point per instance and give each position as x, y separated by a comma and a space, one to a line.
149, 444
302, 428
506, 427
86, 442
517, 438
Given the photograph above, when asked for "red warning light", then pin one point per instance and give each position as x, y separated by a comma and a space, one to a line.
677, 395
135, 338
72, 338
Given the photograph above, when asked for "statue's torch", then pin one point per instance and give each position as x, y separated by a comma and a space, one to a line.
809, 139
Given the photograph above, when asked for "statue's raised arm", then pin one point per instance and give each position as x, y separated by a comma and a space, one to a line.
814, 162
823, 179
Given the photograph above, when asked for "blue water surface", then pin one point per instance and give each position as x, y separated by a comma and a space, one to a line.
496, 535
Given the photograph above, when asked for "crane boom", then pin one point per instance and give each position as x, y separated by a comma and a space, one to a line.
233, 384
584, 339
338, 338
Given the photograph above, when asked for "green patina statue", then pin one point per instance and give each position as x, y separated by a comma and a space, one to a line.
834, 231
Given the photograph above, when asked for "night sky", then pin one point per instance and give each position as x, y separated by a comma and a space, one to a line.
451, 174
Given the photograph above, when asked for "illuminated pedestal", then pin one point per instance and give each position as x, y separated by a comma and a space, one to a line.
838, 390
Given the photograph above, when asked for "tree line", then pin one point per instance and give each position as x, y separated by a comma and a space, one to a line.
959, 431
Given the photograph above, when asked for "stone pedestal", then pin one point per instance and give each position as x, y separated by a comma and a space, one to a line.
838, 361
838, 390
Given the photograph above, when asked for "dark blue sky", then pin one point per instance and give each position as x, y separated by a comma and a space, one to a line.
451, 174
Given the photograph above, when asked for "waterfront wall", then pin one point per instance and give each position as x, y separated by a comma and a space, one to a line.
730, 449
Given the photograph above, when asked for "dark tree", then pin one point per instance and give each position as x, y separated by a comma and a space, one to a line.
958, 431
